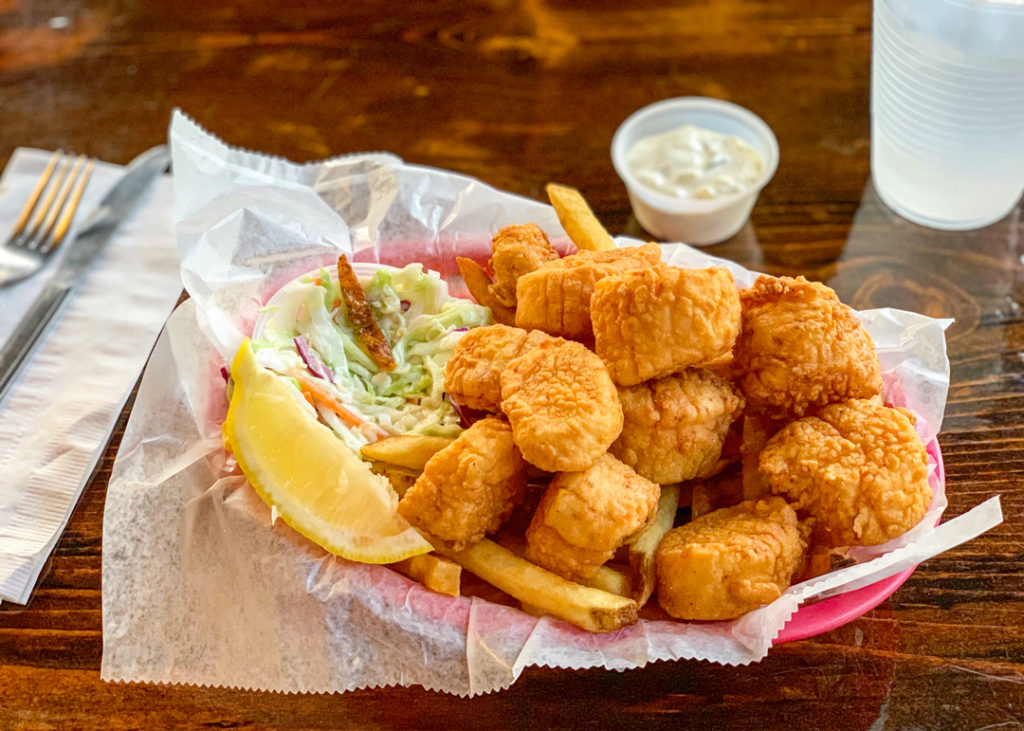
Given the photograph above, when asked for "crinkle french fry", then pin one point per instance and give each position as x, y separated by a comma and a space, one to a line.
590, 609
433, 571
643, 548
577, 219
478, 284
411, 451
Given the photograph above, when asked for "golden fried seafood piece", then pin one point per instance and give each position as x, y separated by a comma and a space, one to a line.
656, 321
800, 348
556, 297
469, 487
857, 470
729, 562
518, 250
674, 427
584, 516
562, 405
472, 376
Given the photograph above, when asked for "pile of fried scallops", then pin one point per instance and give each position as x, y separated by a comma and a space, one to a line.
616, 391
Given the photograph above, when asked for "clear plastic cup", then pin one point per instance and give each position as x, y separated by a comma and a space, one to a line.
692, 221
947, 109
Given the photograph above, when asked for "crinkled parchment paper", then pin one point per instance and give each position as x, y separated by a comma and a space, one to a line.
198, 585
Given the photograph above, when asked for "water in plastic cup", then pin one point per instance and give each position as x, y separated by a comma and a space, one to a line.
947, 109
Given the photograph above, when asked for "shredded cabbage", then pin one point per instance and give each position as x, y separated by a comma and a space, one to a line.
422, 324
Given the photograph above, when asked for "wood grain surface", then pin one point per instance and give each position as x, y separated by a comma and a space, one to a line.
520, 93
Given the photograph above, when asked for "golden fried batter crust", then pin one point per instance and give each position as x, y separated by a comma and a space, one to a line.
858, 470
562, 405
556, 297
656, 321
472, 376
518, 250
800, 348
469, 487
674, 427
726, 563
584, 516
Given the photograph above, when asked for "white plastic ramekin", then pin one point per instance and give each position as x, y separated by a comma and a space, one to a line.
697, 222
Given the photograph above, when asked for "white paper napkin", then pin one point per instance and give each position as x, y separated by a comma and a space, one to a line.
58, 415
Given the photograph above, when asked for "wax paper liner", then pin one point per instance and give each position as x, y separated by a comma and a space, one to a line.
199, 586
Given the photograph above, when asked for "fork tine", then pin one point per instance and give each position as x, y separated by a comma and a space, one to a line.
33, 198
44, 206
69, 212
43, 242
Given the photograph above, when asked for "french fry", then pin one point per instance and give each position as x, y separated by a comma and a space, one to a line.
611, 580
411, 451
478, 284
590, 609
606, 579
643, 548
434, 572
577, 219
401, 479
702, 500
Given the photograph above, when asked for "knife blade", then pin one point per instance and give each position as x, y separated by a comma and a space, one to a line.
93, 235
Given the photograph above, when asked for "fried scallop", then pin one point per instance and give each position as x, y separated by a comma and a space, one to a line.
472, 375
556, 297
584, 516
659, 320
731, 561
469, 487
562, 405
800, 348
518, 250
857, 470
674, 427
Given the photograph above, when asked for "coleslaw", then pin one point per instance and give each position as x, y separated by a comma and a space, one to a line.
304, 334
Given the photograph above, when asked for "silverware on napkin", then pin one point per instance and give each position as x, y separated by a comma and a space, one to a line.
94, 234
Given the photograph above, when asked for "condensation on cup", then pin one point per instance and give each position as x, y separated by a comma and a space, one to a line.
947, 109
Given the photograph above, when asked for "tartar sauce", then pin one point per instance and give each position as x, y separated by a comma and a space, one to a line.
692, 162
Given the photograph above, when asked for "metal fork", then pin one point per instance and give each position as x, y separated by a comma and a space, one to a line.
46, 217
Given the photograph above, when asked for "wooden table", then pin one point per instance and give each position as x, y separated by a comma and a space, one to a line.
518, 94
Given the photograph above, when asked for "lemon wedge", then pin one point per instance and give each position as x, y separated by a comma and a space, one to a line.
317, 485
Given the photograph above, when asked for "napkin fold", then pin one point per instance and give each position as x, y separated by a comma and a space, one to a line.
58, 415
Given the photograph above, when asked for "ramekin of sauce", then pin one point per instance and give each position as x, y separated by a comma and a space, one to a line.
693, 167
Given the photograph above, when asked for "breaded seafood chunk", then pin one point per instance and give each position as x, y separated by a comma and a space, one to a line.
858, 471
556, 297
584, 516
656, 321
518, 250
472, 376
801, 348
562, 405
469, 487
674, 427
726, 563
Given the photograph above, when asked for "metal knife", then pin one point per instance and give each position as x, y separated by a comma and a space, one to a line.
96, 230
